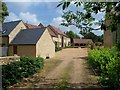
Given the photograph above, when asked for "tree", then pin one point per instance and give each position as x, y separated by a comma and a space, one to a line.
84, 20
71, 34
3, 12
94, 37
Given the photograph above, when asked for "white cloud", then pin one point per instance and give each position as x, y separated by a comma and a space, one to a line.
30, 18
57, 21
12, 17
25, 16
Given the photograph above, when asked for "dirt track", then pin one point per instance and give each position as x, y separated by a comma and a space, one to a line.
80, 72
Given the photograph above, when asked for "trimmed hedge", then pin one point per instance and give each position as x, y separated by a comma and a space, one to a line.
106, 62
58, 49
14, 72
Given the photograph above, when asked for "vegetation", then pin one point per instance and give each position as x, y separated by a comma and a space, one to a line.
94, 37
106, 62
58, 49
86, 20
3, 12
14, 72
71, 34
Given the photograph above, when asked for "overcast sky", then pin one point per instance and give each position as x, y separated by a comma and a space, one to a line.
42, 12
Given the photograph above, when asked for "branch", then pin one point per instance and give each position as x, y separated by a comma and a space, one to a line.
81, 26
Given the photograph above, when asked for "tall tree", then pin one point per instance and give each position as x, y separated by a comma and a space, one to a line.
71, 34
3, 12
94, 37
85, 20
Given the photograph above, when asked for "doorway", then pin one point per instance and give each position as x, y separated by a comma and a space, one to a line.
15, 49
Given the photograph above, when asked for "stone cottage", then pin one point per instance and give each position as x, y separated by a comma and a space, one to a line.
9, 31
33, 42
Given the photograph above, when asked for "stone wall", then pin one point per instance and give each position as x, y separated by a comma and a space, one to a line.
9, 59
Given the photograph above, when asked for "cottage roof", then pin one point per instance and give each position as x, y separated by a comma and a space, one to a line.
56, 30
7, 27
31, 26
41, 25
28, 36
84, 41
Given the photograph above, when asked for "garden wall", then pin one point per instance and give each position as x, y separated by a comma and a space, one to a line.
9, 59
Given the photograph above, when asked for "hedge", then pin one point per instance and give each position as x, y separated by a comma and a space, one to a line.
58, 49
14, 72
106, 62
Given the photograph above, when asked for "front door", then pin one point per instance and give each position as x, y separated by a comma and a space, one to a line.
15, 49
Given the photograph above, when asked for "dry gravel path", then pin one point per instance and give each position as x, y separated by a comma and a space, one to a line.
80, 73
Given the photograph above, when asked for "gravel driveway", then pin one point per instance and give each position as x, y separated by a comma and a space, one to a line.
80, 72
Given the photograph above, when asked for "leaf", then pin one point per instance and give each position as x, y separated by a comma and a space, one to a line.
59, 4
64, 6
68, 3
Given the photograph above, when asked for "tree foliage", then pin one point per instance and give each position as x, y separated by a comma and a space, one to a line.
94, 37
3, 12
85, 20
71, 34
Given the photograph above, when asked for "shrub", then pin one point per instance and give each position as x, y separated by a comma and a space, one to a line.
106, 63
58, 49
14, 72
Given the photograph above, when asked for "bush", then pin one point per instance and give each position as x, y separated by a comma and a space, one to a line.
16, 71
58, 49
106, 63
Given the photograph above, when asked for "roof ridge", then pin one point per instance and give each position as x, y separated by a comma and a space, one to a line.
13, 21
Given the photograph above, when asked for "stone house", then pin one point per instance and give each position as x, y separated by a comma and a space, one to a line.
33, 42
9, 31
17, 39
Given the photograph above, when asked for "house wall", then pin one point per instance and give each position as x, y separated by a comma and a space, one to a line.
4, 45
45, 46
59, 41
67, 41
5, 41
23, 50
55, 39
16, 31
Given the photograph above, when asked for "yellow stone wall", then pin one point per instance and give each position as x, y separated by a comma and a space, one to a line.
45, 46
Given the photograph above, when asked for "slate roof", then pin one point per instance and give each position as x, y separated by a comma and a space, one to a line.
83, 41
28, 36
7, 27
